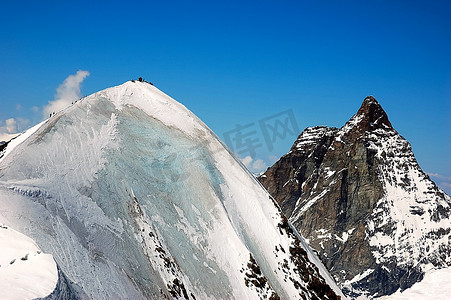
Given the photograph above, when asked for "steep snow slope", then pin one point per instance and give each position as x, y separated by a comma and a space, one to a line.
17, 140
25, 272
136, 198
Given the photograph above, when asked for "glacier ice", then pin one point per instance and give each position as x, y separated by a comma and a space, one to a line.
136, 198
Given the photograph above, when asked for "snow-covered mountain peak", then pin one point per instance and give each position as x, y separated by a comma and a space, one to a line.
136, 198
153, 102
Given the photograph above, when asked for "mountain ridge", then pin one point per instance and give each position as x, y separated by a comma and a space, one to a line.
136, 198
357, 194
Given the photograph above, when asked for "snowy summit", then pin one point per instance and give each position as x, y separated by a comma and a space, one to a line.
135, 197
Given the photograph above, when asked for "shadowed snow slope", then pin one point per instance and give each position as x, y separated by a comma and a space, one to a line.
136, 198
435, 285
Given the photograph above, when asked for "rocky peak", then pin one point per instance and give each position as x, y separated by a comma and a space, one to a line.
361, 199
372, 116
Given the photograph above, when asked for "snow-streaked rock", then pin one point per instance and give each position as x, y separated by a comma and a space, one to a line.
359, 196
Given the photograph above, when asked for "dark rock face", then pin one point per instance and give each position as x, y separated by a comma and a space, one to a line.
358, 195
3, 147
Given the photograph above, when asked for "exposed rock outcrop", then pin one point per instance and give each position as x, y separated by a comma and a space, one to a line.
359, 196
3, 145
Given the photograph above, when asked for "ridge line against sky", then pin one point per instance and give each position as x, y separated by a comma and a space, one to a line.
235, 64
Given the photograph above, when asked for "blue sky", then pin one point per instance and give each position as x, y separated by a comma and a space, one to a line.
236, 63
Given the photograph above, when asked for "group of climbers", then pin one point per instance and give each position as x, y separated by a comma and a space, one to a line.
140, 79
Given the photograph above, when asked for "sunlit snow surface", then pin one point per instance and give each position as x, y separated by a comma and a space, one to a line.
25, 272
18, 139
416, 211
124, 184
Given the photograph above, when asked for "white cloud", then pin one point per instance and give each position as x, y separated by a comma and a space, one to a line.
247, 161
443, 182
11, 125
259, 165
22, 124
8, 130
256, 166
439, 176
66, 93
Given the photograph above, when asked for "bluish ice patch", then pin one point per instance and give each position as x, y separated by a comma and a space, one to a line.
168, 173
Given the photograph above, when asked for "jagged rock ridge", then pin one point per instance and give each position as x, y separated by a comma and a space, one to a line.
359, 196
